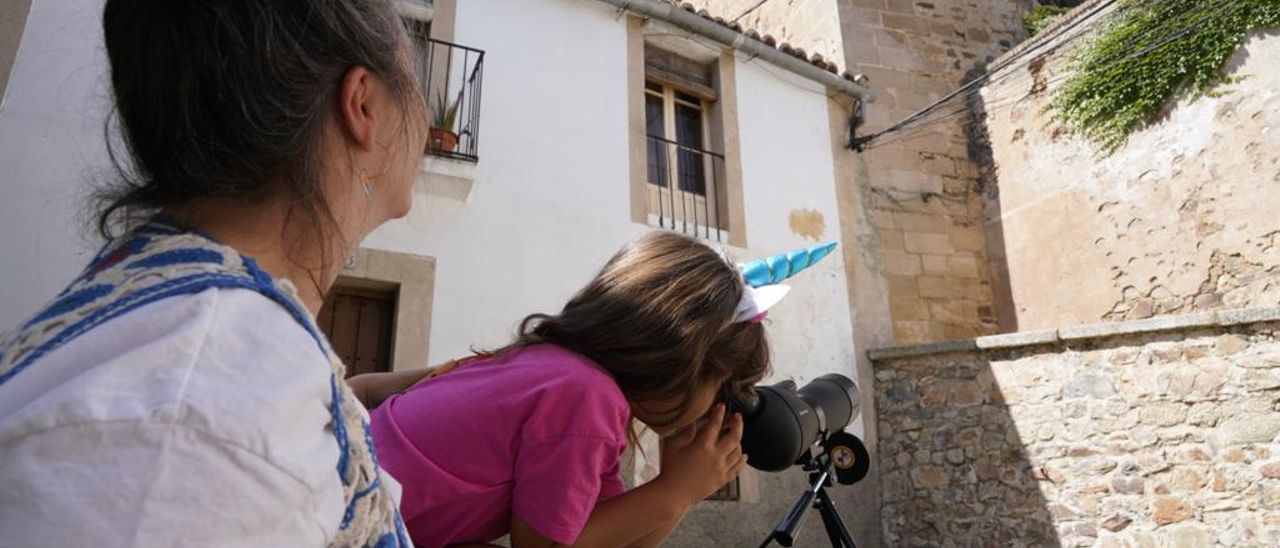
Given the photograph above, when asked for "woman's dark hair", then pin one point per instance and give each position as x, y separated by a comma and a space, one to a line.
659, 317
227, 98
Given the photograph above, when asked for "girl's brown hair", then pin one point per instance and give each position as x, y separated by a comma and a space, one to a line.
659, 317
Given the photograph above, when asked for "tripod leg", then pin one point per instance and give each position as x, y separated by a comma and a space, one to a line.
785, 532
836, 530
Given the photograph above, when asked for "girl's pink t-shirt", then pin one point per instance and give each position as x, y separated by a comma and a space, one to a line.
539, 431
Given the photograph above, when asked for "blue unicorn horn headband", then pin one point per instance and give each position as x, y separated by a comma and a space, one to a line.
764, 278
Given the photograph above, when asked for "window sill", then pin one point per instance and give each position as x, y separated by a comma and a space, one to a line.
446, 177
693, 229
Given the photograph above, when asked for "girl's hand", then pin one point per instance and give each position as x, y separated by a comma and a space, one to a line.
701, 460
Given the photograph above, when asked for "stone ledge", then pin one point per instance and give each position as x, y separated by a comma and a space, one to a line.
1149, 325
1242, 316
446, 177
1021, 338
963, 345
1182, 322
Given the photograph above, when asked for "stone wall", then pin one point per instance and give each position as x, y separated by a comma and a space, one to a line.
1179, 220
812, 25
1158, 432
926, 186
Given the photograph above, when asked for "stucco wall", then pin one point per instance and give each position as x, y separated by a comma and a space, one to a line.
1181, 219
1158, 432
13, 18
548, 205
51, 150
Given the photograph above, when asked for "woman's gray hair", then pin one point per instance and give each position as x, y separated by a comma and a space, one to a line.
227, 98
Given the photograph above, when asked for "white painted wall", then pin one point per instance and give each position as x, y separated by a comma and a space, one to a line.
549, 205
550, 202
51, 149
787, 166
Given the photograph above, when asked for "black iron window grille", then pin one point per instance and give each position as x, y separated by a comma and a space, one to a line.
451, 76
683, 176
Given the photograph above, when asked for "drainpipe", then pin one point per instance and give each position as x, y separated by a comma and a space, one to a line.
699, 25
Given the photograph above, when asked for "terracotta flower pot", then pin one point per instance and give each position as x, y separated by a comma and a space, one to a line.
442, 139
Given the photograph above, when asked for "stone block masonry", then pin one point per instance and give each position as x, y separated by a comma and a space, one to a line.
1161, 432
928, 208
927, 188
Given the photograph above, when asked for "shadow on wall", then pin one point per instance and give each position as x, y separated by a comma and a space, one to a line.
978, 147
1148, 433
953, 468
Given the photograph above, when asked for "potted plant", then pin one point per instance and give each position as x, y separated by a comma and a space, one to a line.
443, 117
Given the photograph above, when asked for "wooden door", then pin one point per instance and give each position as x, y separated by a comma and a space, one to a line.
359, 323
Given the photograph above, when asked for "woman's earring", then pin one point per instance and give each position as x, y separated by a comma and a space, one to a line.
366, 182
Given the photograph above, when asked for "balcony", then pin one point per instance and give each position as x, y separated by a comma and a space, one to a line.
685, 193
451, 77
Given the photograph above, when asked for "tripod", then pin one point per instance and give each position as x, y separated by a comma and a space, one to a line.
819, 469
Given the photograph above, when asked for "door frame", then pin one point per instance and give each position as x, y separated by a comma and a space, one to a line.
413, 277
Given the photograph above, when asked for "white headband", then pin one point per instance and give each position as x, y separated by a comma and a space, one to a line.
756, 302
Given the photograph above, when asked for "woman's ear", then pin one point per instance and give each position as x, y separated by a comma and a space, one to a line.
355, 106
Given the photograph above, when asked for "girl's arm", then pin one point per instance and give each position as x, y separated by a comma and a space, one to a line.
692, 468
373, 388
659, 535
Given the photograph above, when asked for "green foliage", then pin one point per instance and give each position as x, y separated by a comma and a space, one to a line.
1148, 52
445, 113
1040, 17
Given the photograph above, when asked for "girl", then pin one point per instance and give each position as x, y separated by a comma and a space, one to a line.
178, 393
528, 439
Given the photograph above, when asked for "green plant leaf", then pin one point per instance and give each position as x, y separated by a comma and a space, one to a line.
1147, 53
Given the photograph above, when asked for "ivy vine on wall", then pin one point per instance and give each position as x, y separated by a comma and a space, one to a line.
1040, 17
1146, 53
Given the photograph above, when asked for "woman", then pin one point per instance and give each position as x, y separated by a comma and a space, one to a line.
178, 392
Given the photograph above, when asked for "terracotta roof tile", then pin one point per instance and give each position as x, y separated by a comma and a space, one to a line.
767, 39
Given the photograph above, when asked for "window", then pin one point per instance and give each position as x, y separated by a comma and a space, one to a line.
675, 123
683, 173
450, 75
682, 115
731, 492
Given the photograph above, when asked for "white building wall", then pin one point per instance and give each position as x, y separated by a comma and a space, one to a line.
51, 150
550, 199
787, 168
549, 203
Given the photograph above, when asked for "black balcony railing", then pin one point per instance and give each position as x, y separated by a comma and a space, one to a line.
451, 77
685, 193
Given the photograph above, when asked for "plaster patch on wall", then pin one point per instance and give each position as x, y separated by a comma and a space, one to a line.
808, 223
